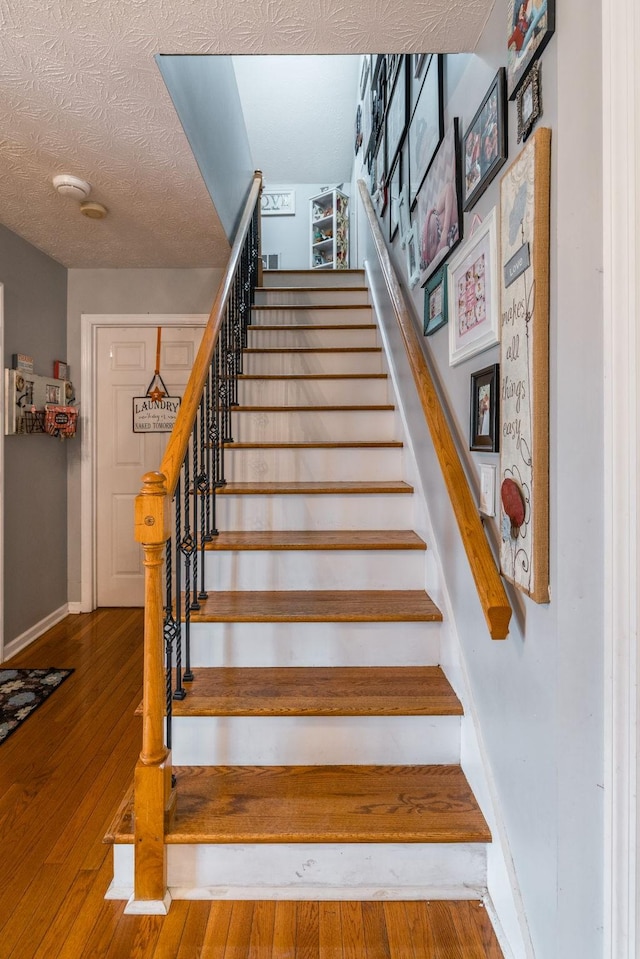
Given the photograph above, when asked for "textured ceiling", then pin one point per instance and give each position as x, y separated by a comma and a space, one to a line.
80, 93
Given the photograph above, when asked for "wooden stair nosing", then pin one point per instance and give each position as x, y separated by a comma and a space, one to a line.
320, 408
316, 445
319, 691
311, 306
306, 327
316, 540
314, 488
312, 376
309, 289
313, 349
317, 606
319, 804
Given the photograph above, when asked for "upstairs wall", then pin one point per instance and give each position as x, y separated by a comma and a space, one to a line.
539, 694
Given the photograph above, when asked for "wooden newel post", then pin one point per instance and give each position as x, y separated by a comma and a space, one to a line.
153, 793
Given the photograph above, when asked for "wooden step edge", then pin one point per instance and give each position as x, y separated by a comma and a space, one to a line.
314, 349
307, 271
355, 444
324, 408
308, 327
287, 377
283, 691
256, 540
310, 289
317, 606
121, 826
315, 488
312, 306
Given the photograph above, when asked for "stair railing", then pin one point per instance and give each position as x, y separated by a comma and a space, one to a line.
175, 517
490, 588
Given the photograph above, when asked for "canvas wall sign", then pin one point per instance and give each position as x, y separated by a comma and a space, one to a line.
524, 369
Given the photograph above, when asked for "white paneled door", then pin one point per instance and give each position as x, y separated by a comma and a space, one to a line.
126, 359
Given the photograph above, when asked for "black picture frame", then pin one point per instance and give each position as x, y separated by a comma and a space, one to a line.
530, 26
396, 113
426, 126
380, 164
484, 144
395, 192
484, 410
529, 103
436, 309
438, 213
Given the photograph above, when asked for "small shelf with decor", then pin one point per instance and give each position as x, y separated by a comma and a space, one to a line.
330, 231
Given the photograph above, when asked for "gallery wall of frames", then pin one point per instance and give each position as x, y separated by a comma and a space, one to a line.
481, 281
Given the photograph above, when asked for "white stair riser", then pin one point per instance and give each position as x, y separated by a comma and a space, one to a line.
290, 316
316, 871
261, 338
313, 426
366, 511
314, 740
310, 297
314, 362
280, 465
315, 644
300, 392
302, 278
314, 569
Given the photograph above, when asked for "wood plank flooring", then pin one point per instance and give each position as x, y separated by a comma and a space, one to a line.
63, 775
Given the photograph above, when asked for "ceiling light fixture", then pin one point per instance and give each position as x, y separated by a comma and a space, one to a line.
95, 211
72, 186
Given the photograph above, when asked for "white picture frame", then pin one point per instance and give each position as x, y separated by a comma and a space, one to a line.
278, 203
474, 294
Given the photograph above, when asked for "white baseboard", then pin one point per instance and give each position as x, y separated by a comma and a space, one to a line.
75, 608
25, 639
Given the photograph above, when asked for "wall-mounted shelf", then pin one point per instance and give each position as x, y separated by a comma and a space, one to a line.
330, 231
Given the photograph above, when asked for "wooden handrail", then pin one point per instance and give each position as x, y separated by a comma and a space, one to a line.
181, 434
491, 592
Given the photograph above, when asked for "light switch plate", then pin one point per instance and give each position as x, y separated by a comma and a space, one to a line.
487, 489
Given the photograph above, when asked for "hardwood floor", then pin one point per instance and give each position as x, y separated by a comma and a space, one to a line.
63, 775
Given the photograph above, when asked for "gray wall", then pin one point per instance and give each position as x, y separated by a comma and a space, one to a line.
35, 492
205, 94
122, 291
539, 695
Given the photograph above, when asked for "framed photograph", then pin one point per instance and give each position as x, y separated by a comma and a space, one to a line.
426, 128
472, 288
413, 265
483, 421
439, 208
278, 203
393, 65
395, 188
484, 145
529, 103
404, 214
380, 194
530, 26
418, 63
378, 100
435, 302
364, 74
396, 118
524, 368
52, 394
60, 370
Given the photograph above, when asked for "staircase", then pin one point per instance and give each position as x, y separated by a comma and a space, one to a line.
317, 753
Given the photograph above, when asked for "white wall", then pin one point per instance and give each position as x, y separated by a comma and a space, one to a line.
291, 235
539, 694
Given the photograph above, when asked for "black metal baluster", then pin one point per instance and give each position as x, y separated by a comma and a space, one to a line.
170, 631
187, 548
202, 490
194, 493
179, 692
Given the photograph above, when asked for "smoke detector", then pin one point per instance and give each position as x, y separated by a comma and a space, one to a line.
73, 186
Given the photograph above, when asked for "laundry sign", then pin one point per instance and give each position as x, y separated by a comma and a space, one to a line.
155, 415
156, 412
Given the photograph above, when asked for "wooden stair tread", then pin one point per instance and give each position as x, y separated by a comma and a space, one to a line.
319, 691
305, 327
317, 606
308, 289
323, 804
319, 445
316, 539
312, 376
310, 306
313, 349
314, 487
317, 407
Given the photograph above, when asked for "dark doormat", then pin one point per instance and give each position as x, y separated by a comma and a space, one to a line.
22, 691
